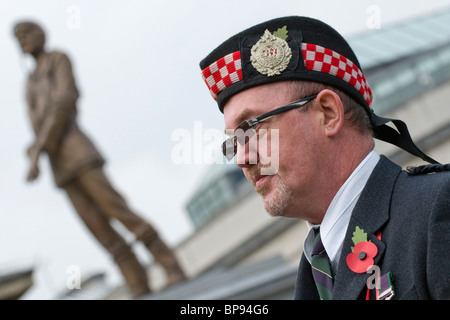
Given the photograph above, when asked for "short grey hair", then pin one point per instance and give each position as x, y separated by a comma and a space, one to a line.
354, 113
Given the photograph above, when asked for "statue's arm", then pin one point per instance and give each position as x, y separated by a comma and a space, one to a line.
62, 106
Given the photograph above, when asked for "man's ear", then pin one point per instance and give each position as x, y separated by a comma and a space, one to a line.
332, 111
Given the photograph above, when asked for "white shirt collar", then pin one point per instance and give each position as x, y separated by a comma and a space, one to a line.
337, 217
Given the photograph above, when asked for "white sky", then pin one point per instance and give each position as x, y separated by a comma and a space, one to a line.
136, 65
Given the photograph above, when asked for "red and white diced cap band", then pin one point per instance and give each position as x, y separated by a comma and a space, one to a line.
223, 73
228, 70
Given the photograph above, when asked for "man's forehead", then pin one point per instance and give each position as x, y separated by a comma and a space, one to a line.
254, 102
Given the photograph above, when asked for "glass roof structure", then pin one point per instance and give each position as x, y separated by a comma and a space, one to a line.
387, 44
404, 60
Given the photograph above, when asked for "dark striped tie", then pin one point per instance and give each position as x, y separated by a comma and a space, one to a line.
321, 269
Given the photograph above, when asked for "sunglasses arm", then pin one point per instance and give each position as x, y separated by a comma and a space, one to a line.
285, 108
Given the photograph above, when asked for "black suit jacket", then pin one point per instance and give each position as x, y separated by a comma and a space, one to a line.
413, 215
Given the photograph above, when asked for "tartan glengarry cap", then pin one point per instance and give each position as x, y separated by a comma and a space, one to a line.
287, 48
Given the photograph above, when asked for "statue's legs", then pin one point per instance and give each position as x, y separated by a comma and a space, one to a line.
96, 184
161, 252
97, 222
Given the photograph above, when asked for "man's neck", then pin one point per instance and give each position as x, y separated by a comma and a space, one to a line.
344, 161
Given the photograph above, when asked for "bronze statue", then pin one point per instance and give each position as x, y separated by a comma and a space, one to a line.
51, 95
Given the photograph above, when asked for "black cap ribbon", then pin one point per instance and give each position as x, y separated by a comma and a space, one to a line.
400, 138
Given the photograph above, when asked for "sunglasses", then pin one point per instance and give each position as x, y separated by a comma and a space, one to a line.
247, 129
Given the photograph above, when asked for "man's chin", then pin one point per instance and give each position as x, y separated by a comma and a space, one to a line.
274, 193
273, 210
276, 201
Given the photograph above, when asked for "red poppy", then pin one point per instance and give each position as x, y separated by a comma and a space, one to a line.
361, 259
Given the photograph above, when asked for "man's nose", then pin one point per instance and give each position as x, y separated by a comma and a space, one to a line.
247, 154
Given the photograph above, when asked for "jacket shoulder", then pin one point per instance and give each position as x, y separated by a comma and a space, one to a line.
425, 181
427, 169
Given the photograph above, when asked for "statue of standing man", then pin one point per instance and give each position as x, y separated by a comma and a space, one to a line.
51, 95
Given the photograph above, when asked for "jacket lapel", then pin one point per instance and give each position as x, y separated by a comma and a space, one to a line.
370, 213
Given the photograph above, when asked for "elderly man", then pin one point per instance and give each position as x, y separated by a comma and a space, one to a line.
294, 87
77, 165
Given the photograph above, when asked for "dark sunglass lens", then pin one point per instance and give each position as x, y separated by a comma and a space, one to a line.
229, 148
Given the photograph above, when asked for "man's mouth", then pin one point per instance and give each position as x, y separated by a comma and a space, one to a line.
259, 180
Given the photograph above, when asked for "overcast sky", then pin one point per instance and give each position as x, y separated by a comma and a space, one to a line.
136, 65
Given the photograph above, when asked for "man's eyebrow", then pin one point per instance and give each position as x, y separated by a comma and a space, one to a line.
245, 115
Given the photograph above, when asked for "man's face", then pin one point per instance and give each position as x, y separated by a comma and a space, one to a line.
31, 40
289, 191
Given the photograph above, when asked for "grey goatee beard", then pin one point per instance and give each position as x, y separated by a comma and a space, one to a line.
276, 204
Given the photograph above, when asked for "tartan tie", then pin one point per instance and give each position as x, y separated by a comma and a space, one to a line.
321, 269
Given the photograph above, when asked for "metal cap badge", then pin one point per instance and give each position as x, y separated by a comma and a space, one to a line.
270, 55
